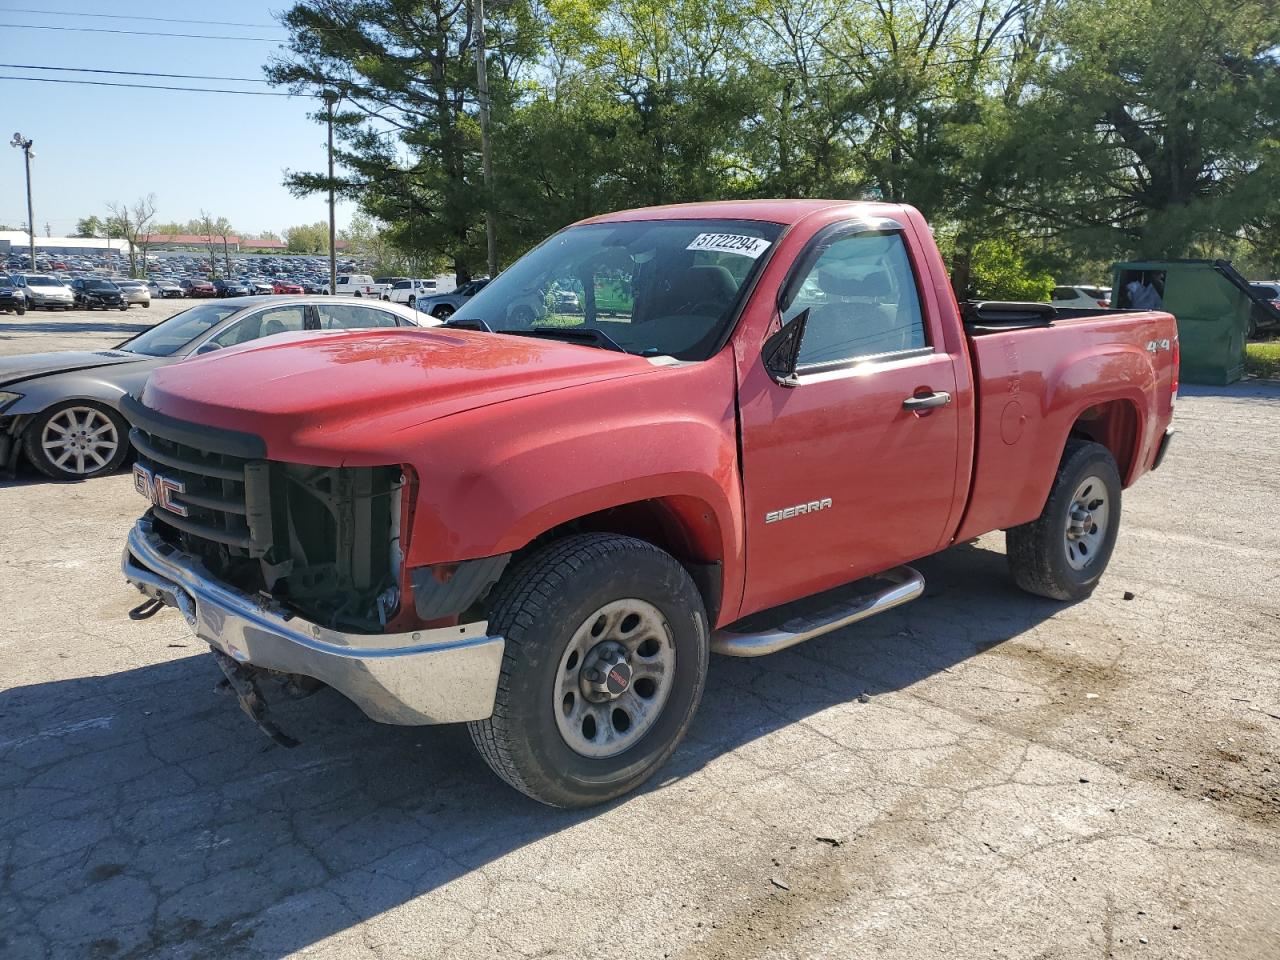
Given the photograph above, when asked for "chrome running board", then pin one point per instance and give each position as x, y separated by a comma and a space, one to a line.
883, 592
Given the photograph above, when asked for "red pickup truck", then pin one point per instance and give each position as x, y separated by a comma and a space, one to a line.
664, 432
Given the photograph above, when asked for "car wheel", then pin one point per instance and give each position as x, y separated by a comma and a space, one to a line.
77, 440
443, 312
412, 301
20, 311
359, 294
1063, 553
147, 305
604, 665
124, 307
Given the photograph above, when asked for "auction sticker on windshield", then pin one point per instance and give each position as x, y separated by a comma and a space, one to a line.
729, 243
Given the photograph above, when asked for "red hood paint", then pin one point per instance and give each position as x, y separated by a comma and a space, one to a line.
337, 398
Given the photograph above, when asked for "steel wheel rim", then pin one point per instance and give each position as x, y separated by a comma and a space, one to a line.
1086, 526
80, 440
605, 728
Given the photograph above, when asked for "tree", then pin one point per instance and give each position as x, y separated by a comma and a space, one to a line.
308, 238
133, 222
90, 226
216, 231
1155, 128
406, 125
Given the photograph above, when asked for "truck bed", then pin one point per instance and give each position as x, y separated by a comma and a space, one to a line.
1043, 375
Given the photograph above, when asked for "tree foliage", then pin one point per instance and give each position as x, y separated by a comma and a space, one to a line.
1044, 134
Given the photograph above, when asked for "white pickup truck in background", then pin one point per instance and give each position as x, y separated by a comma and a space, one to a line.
361, 285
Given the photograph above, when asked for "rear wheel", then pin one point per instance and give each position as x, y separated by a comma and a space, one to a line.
605, 662
1063, 553
77, 440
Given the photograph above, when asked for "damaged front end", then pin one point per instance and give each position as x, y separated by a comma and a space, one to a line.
298, 570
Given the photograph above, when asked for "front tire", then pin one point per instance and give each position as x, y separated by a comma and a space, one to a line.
77, 440
605, 662
1063, 553
443, 312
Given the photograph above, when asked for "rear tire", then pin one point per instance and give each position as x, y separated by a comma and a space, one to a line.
568, 612
1063, 553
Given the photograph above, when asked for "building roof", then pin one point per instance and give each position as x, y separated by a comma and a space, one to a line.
19, 240
185, 239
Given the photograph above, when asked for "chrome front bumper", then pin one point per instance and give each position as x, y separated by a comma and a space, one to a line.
444, 675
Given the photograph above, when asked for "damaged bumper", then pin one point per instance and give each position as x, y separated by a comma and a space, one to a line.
444, 675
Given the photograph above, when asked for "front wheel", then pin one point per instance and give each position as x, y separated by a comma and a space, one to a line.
412, 302
442, 312
77, 440
1063, 553
605, 663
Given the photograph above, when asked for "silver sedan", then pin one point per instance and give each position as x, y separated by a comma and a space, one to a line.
61, 410
46, 291
134, 291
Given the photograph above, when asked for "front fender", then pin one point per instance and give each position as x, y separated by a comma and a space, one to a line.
41, 393
491, 480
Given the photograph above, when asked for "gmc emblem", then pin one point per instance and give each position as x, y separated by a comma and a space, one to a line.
159, 490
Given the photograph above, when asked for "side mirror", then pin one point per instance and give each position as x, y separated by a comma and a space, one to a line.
207, 347
782, 350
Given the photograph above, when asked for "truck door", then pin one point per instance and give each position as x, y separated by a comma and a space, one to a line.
852, 469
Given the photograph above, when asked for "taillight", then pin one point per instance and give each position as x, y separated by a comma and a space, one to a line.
1105, 303
1177, 367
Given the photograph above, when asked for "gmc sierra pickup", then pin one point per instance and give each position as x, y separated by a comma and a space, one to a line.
663, 432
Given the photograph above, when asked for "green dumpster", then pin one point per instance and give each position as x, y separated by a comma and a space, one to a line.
1210, 301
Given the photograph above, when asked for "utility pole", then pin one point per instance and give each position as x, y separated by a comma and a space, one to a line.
486, 154
25, 146
331, 98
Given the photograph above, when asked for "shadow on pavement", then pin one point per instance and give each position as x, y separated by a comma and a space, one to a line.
145, 815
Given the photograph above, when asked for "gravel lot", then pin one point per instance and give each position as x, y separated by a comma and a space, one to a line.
1022, 778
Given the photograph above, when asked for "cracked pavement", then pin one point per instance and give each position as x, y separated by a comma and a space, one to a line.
1024, 778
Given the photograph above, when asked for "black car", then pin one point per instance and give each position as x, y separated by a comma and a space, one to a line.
230, 288
11, 297
93, 294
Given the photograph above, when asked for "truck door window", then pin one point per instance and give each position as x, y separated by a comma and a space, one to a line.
862, 301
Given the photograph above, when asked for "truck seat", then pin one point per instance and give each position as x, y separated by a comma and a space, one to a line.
856, 320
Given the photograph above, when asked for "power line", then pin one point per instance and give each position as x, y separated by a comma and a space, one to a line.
121, 16
130, 73
134, 33
148, 86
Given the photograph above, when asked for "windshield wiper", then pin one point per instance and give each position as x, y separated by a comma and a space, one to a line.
590, 335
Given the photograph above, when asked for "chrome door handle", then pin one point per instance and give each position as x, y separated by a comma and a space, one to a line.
927, 402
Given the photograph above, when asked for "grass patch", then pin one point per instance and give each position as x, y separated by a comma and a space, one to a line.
1262, 360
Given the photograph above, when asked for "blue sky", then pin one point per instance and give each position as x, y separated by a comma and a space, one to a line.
95, 145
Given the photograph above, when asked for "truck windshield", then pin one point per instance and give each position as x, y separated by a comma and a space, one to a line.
169, 336
652, 287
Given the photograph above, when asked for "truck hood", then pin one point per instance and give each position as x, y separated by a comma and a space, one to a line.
324, 398
16, 369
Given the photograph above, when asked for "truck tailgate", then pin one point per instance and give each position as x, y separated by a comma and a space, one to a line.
1109, 377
